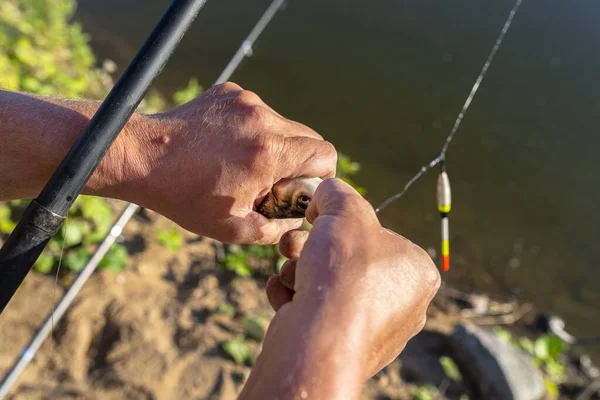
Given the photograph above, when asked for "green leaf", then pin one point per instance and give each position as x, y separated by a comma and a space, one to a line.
450, 368
239, 351
189, 93
171, 238
556, 346
226, 308
238, 263
555, 370
95, 209
255, 326
74, 231
427, 392
541, 348
4, 211
55, 245
6, 224
100, 231
503, 334
527, 345
115, 259
76, 259
44, 263
19, 203
262, 252
551, 389
346, 168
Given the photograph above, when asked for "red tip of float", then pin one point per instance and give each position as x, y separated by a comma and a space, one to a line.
446, 263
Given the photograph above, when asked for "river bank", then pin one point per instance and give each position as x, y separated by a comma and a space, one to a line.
157, 331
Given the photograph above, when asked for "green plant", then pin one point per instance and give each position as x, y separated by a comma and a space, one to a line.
226, 309
346, 168
262, 252
6, 224
170, 238
238, 263
190, 92
238, 350
450, 368
89, 221
426, 392
547, 352
115, 259
44, 52
255, 326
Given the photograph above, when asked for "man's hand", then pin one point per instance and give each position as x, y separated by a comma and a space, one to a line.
347, 301
205, 165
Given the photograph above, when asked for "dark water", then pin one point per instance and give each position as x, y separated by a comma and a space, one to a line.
383, 80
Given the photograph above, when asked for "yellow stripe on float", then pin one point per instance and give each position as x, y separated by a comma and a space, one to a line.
444, 208
445, 247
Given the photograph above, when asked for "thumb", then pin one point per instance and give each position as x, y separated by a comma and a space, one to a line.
272, 231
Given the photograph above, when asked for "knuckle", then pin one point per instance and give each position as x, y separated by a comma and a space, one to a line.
255, 115
431, 276
269, 236
330, 150
227, 87
249, 97
420, 324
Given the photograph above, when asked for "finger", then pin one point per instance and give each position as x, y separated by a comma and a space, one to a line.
270, 231
277, 293
287, 275
307, 157
336, 197
291, 243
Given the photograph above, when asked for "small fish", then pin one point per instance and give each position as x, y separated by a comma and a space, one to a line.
289, 198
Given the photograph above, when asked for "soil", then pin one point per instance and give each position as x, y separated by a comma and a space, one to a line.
155, 331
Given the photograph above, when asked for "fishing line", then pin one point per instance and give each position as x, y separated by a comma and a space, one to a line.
440, 158
444, 196
62, 252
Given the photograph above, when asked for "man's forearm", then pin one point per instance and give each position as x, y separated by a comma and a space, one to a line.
36, 134
319, 357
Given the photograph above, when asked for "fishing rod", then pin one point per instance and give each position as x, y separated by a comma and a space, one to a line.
46, 213
117, 228
443, 184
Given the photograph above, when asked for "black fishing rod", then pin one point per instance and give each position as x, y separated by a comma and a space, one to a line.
46, 213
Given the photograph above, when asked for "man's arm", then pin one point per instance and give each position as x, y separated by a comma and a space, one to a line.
205, 165
35, 135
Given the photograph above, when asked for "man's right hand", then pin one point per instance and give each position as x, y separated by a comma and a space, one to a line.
348, 300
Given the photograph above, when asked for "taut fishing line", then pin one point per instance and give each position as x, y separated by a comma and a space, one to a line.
443, 188
60, 259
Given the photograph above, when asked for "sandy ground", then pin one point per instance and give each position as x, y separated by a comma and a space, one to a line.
151, 332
